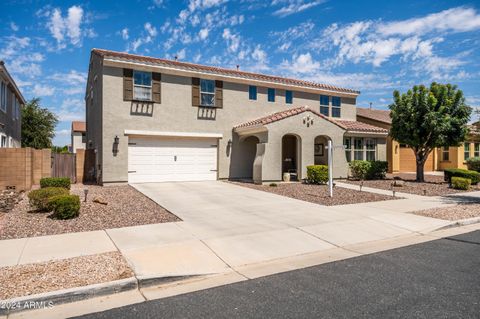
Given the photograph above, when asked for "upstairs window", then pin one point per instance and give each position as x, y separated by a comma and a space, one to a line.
207, 92
288, 97
336, 106
271, 95
466, 151
324, 108
445, 153
142, 86
3, 97
252, 92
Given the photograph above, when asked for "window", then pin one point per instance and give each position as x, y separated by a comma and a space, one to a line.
370, 148
336, 106
84, 138
476, 150
3, 97
466, 151
142, 86
288, 97
347, 142
358, 148
207, 92
17, 109
271, 95
324, 100
445, 153
3, 141
252, 92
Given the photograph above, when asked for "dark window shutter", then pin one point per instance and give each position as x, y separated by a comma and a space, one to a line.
195, 91
127, 84
219, 93
157, 87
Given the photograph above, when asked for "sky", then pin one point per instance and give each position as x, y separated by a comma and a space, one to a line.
372, 46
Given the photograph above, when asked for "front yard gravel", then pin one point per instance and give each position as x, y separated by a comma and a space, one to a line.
126, 207
458, 212
434, 185
29, 279
319, 194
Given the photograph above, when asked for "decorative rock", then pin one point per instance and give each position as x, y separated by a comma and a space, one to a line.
8, 200
100, 200
398, 183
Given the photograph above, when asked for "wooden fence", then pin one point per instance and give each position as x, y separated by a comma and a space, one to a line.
63, 165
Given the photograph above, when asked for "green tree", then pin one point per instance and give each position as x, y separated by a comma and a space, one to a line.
38, 125
60, 149
426, 118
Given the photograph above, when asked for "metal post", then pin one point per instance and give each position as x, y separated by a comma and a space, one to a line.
330, 168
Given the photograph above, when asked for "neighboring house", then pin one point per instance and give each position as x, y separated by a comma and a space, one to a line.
154, 120
401, 158
79, 137
11, 102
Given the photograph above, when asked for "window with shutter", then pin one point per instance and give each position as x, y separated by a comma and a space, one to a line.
127, 84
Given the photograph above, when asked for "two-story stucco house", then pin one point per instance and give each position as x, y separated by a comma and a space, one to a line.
11, 101
154, 120
78, 136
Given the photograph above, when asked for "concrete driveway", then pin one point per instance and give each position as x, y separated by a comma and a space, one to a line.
226, 227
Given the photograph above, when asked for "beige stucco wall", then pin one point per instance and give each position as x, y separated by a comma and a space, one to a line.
175, 113
77, 142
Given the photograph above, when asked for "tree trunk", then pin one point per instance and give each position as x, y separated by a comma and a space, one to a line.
420, 171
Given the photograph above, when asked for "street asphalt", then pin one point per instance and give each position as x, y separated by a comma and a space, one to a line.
438, 279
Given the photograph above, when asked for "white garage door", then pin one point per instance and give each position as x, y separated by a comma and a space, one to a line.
171, 159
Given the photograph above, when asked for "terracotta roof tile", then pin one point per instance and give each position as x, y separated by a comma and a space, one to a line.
78, 126
220, 71
376, 115
345, 124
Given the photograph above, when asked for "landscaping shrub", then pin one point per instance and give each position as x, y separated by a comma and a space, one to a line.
39, 198
65, 206
368, 169
458, 172
55, 182
317, 174
273, 185
461, 183
473, 164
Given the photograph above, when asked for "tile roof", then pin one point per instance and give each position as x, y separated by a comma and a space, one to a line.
376, 115
345, 124
220, 71
78, 126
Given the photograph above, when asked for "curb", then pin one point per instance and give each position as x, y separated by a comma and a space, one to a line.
52, 298
461, 222
149, 281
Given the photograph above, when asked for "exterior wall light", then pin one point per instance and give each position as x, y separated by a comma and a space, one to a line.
116, 141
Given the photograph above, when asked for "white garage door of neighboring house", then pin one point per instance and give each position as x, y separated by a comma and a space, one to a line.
171, 159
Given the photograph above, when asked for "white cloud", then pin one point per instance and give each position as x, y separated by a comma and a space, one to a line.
71, 109
14, 27
69, 26
285, 39
149, 34
233, 40
124, 33
181, 54
151, 30
302, 63
203, 33
40, 90
459, 19
64, 132
290, 7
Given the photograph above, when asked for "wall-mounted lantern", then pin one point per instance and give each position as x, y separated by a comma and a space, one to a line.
116, 141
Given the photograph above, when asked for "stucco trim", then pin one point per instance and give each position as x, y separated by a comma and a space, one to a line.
363, 133
173, 134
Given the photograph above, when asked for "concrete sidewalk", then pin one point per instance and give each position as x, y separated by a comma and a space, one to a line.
226, 227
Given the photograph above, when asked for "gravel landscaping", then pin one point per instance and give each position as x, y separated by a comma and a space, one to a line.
29, 279
458, 212
318, 194
125, 207
434, 185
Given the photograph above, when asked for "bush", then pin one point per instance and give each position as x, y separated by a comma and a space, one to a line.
65, 206
461, 183
368, 169
55, 182
317, 174
273, 185
458, 172
39, 198
473, 164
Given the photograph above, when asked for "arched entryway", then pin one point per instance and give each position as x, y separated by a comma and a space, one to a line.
249, 151
320, 150
291, 161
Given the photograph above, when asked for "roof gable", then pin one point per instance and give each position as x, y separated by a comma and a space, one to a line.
376, 115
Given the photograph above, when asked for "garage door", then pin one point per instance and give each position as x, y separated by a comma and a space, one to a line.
171, 159
408, 162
